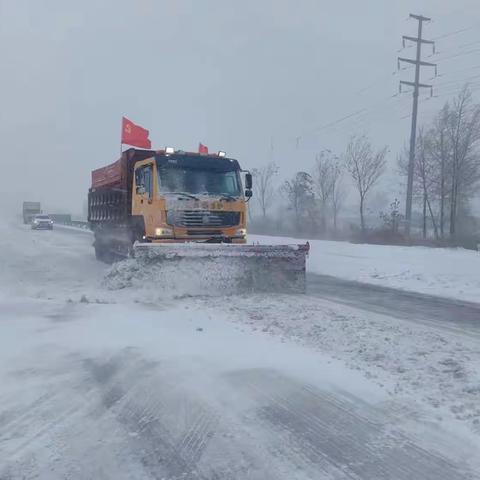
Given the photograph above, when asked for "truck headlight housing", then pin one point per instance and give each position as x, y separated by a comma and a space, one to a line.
163, 232
241, 232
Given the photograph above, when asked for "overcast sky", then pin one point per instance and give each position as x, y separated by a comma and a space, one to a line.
236, 76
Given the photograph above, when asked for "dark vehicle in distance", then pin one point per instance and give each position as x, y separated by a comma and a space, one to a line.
42, 222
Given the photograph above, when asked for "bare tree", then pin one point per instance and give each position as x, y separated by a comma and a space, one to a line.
425, 177
425, 174
300, 194
463, 131
323, 177
365, 167
264, 179
391, 220
338, 192
440, 149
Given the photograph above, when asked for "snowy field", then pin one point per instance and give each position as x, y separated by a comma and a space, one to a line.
446, 272
144, 383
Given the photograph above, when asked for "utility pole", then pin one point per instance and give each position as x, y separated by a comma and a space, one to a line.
416, 87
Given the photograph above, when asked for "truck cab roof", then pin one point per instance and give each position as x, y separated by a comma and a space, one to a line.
185, 159
197, 161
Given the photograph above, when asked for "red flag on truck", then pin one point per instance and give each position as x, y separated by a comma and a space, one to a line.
134, 134
202, 148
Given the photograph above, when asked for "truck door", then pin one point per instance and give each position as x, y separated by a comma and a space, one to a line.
143, 197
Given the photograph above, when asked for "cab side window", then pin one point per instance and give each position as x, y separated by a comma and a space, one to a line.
144, 178
148, 177
139, 182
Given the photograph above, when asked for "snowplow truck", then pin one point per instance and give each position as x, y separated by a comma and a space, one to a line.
180, 208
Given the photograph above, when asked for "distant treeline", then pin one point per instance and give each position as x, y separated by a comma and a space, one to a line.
446, 177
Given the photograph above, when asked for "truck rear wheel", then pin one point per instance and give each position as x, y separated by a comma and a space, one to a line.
104, 254
99, 252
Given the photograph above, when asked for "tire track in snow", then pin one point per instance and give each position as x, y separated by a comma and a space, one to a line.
326, 433
141, 402
456, 316
37, 433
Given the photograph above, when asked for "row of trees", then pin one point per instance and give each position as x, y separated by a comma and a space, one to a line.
447, 166
317, 197
446, 174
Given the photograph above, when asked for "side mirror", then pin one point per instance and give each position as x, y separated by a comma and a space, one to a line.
248, 193
141, 190
248, 181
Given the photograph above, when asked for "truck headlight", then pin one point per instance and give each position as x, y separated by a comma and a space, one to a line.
241, 232
163, 232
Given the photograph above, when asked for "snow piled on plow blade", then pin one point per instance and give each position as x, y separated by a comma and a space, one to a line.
212, 269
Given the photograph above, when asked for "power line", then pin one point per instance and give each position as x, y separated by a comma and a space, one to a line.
474, 67
358, 116
469, 52
456, 32
456, 81
450, 34
349, 122
457, 88
373, 84
335, 122
449, 14
363, 113
369, 116
469, 44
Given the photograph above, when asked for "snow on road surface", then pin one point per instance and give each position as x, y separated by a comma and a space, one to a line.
129, 384
446, 272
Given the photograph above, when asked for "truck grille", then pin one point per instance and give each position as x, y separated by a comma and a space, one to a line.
202, 218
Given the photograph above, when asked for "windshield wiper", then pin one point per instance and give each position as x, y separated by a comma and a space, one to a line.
223, 196
226, 196
184, 194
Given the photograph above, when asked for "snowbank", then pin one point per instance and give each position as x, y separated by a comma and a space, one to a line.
447, 272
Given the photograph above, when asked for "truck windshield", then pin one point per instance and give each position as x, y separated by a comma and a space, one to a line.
197, 181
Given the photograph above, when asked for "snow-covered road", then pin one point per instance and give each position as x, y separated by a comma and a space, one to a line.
125, 384
444, 313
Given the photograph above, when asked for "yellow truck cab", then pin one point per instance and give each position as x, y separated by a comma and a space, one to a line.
167, 197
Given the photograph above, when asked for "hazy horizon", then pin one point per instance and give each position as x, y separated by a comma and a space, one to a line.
237, 77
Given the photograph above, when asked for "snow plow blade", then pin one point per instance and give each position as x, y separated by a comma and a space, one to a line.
232, 268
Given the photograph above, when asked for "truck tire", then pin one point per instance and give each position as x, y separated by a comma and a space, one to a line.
99, 253
104, 254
